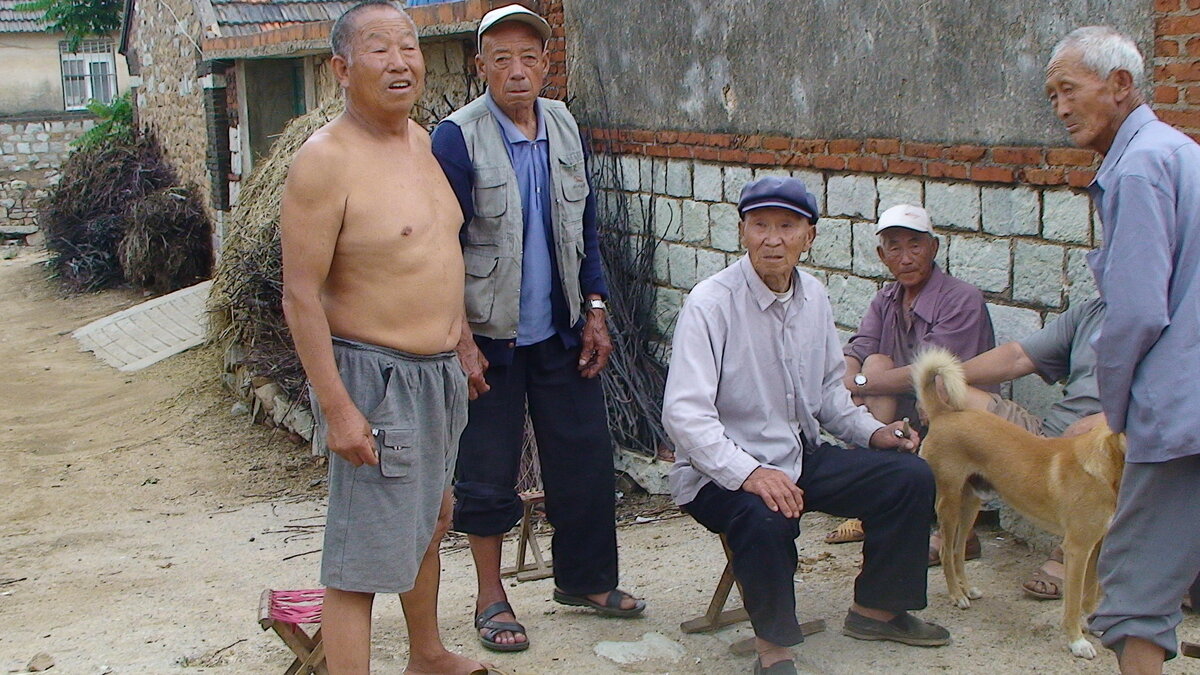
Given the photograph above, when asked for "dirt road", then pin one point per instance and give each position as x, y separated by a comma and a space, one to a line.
140, 519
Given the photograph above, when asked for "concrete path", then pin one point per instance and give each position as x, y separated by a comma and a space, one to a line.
150, 332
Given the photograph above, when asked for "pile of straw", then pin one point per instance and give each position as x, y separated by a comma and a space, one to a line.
246, 302
166, 245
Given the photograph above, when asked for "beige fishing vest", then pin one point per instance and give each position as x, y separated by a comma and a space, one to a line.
495, 235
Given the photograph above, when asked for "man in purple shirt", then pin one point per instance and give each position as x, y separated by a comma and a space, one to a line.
923, 307
1148, 273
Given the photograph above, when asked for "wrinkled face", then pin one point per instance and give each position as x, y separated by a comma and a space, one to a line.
1085, 103
908, 255
385, 69
775, 238
514, 63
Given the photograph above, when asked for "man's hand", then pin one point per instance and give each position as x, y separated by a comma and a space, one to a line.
778, 491
1084, 424
473, 363
886, 438
597, 345
349, 435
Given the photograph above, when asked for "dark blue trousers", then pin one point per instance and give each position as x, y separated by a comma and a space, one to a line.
571, 427
891, 492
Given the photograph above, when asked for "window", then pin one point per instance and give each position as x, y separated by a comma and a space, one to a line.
89, 73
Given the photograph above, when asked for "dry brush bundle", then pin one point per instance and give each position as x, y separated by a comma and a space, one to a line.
85, 215
246, 302
166, 244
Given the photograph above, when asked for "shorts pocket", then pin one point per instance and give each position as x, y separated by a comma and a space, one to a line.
397, 452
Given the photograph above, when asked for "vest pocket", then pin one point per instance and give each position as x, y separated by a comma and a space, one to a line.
572, 176
480, 283
491, 192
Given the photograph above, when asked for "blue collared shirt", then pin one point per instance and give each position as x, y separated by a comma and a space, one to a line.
1147, 195
531, 163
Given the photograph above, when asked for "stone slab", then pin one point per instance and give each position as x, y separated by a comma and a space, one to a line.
145, 334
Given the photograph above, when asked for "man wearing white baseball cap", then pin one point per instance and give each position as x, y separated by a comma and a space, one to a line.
534, 335
923, 307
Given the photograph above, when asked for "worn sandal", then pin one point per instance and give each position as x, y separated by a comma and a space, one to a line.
610, 607
486, 622
849, 531
787, 667
1037, 585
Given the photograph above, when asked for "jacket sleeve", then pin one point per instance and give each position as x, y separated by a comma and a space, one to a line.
591, 270
450, 149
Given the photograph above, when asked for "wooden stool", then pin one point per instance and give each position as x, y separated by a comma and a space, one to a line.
716, 616
527, 543
285, 611
1190, 649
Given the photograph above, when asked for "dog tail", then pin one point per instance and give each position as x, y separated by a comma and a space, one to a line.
931, 363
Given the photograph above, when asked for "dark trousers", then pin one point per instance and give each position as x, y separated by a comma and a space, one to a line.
891, 492
571, 427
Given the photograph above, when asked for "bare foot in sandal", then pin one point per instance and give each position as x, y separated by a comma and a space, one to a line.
1047, 582
850, 530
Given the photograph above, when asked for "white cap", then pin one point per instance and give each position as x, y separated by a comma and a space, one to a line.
906, 216
512, 12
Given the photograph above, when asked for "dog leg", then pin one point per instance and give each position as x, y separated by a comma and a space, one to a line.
968, 512
1091, 585
1075, 557
949, 509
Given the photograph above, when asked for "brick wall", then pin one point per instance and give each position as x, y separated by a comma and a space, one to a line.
32, 150
1176, 70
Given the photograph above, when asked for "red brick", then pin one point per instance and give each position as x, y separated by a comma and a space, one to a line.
810, 146
1166, 94
943, 170
1166, 5
795, 159
691, 138
1193, 47
1192, 95
1007, 155
1186, 119
1178, 25
1080, 178
762, 158
752, 141
829, 162
865, 163
992, 174
677, 150
1183, 72
736, 155
641, 136
844, 146
964, 153
883, 146
904, 166
1193, 5
926, 150
706, 153
1166, 48
776, 143
666, 137
657, 150
1070, 157
1035, 176
719, 140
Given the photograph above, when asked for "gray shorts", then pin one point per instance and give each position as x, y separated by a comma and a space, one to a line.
1013, 412
381, 518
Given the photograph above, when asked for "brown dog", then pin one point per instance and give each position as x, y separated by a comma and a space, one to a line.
1064, 485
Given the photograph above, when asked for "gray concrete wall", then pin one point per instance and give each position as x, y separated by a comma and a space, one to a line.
956, 71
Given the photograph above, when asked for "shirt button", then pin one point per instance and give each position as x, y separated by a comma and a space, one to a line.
790, 397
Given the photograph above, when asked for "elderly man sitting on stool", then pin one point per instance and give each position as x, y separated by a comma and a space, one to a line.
756, 370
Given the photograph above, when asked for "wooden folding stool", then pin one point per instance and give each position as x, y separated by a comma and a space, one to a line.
527, 544
285, 611
716, 616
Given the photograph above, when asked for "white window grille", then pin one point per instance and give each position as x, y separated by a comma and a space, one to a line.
88, 73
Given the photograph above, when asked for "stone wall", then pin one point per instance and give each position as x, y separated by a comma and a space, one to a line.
1023, 246
170, 99
32, 149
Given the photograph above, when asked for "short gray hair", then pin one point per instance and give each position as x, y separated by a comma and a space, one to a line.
343, 29
1103, 51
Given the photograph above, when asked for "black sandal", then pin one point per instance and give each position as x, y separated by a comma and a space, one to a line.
486, 622
610, 607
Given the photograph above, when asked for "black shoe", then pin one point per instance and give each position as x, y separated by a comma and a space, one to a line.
905, 628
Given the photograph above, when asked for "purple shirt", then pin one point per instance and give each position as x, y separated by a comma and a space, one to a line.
948, 313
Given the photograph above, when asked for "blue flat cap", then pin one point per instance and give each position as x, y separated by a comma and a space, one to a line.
783, 192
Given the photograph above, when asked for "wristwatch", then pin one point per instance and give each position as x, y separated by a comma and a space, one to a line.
596, 303
860, 380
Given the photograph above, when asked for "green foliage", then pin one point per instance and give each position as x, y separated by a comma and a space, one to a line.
77, 18
115, 125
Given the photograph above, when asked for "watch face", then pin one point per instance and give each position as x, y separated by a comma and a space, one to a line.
860, 379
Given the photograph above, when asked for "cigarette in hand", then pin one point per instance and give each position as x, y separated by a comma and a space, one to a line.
905, 433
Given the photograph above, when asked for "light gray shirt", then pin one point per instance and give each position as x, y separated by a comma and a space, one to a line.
1147, 195
1062, 351
748, 375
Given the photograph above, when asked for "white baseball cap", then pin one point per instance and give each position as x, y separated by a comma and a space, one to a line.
512, 12
906, 216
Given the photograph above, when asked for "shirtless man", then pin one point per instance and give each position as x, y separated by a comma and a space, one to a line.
373, 294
